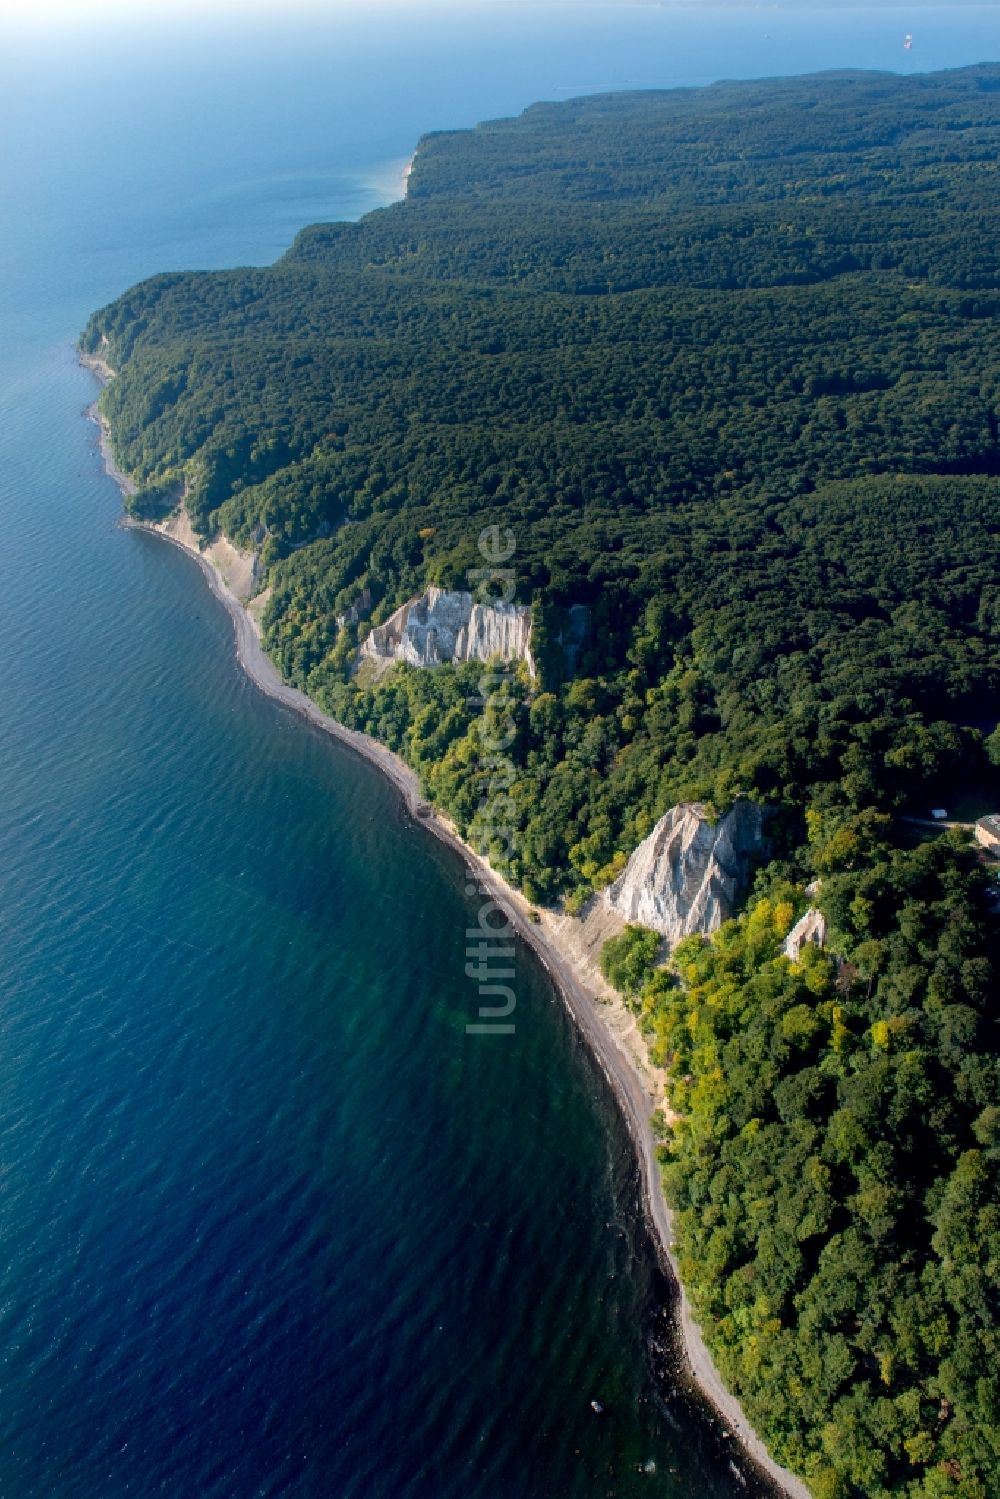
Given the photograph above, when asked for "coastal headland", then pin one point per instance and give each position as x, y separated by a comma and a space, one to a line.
722, 364
608, 1028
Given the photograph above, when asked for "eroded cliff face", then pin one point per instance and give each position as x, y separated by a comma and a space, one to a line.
688, 874
440, 626
358, 609
810, 928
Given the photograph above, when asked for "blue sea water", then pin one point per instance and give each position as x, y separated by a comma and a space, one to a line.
271, 1223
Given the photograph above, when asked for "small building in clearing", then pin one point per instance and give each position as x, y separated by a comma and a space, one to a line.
988, 832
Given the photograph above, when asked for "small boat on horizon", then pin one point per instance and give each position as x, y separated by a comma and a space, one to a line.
907, 42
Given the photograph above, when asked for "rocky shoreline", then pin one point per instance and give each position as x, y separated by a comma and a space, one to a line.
575, 979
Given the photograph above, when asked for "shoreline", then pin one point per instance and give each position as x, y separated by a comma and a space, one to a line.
635, 1099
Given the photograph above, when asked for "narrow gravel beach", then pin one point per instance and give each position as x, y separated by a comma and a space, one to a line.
620, 1071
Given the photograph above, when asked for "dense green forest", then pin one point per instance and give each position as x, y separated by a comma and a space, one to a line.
836, 1171
725, 362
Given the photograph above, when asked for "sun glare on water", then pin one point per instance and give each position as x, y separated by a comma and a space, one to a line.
52, 12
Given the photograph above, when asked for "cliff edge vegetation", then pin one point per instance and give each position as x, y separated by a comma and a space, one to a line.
724, 364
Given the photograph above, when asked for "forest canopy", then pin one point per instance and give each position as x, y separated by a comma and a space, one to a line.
725, 362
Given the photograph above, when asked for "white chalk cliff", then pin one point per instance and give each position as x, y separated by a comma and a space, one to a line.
688, 874
356, 610
440, 626
810, 928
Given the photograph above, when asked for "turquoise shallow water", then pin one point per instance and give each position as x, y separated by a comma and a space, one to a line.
270, 1222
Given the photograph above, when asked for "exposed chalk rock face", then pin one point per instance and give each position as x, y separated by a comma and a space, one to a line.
356, 610
809, 929
688, 874
440, 626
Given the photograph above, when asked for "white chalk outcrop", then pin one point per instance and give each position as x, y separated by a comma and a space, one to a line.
810, 929
356, 610
688, 874
440, 626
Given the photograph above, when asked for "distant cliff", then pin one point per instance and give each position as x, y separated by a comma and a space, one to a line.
687, 875
440, 626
